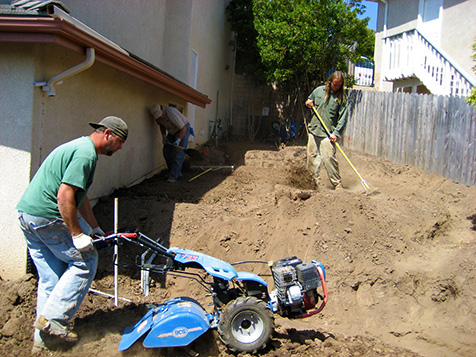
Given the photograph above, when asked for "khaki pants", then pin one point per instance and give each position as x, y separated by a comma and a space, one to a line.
321, 150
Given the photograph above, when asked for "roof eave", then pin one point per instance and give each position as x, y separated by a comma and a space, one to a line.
54, 30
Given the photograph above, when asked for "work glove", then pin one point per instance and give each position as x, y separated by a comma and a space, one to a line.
98, 232
83, 242
177, 142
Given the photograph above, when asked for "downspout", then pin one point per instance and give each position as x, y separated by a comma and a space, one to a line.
49, 87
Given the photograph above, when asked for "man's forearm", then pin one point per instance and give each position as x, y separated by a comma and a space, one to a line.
182, 132
67, 208
86, 212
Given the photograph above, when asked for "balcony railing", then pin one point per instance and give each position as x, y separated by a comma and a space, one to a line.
411, 55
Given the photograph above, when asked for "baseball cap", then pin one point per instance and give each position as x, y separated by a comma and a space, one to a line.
115, 124
156, 111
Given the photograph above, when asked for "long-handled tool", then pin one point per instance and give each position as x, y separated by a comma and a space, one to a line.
200, 174
194, 154
362, 181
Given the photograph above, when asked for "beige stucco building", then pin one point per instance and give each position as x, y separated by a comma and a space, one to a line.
425, 46
64, 64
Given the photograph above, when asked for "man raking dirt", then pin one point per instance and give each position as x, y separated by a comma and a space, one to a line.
332, 104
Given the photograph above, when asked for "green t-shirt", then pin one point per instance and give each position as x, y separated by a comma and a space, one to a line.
333, 114
73, 163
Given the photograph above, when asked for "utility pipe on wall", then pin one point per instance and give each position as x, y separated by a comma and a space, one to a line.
49, 86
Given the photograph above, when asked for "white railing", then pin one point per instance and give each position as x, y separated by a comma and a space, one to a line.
364, 76
411, 55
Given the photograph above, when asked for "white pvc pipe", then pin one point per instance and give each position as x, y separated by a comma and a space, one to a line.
116, 250
107, 295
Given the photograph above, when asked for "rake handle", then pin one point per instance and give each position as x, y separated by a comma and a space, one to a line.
340, 149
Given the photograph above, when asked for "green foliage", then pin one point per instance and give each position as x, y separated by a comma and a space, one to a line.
296, 44
248, 60
472, 98
293, 42
308, 36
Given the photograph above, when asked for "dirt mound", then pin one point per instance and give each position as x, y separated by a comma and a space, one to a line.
399, 262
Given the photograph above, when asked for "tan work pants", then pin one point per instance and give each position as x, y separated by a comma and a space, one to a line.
321, 150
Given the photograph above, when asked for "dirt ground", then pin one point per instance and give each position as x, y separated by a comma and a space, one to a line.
400, 261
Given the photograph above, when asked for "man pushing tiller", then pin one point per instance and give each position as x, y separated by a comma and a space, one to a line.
57, 220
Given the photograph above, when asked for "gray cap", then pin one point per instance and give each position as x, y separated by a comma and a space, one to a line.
115, 124
156, 111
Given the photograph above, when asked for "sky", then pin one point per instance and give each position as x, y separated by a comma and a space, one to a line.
370, 11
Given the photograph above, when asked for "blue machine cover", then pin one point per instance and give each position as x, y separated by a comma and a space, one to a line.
213, 266
177, 322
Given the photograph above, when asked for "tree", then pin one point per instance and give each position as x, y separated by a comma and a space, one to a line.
297, 37
472, 98
299, 41
248, 60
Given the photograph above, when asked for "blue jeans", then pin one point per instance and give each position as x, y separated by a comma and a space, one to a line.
64, 273
174, 156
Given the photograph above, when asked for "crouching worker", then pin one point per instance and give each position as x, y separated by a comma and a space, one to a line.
57, 220
175, 130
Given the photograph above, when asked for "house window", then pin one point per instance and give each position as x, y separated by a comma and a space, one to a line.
431, 20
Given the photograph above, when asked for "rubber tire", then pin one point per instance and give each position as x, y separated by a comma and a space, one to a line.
246, 324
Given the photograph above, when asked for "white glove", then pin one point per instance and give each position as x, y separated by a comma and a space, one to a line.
98, 232
82, 242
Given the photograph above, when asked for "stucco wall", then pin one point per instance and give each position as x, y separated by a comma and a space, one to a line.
90, 96
177, 33
15, 141
33, 124
164, 33
136, 25
457, 35
210, 38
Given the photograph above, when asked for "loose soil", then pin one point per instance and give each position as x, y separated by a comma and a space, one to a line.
400, 261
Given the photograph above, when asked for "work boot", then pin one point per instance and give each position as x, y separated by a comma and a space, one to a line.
38, 345
54, 328
317, 183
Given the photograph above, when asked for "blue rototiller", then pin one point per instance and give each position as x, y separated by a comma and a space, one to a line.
243, 306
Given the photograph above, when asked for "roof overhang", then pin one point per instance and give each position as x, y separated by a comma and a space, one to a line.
57, 30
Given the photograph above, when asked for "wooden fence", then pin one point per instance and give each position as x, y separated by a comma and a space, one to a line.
435, 133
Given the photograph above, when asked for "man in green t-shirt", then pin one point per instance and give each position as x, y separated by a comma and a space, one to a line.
57, 220
331, 104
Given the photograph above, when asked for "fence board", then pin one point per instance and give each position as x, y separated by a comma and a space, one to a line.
435, 133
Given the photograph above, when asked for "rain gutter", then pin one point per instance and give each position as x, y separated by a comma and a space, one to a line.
61, 29
49, 87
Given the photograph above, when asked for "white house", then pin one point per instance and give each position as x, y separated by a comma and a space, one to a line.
425, 46
64, 64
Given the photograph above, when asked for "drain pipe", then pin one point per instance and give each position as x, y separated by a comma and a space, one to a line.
49, 87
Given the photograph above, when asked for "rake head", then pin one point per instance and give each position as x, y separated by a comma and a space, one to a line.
368, 189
